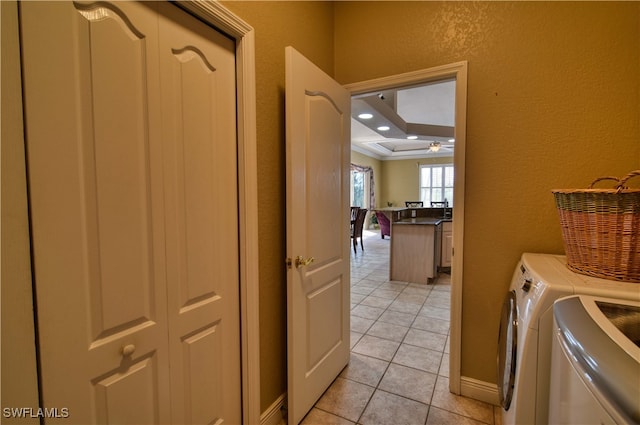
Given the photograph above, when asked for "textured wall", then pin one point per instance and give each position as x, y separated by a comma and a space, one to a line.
308, 27
553, 101
401, 180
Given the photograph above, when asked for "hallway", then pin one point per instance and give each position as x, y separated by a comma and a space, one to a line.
398, 373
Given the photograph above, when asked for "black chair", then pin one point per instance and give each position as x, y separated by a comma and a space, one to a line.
356, 229
354, 213
413, 204
440, 204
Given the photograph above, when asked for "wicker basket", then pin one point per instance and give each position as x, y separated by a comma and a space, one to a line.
601, 229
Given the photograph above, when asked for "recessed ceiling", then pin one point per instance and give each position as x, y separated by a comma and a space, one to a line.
405, 123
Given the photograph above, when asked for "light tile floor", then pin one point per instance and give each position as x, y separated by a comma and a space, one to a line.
399, 367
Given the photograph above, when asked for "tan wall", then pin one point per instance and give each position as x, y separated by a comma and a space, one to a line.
553, 101
396, 181
308, 27
19, 375
402, 179
550, 84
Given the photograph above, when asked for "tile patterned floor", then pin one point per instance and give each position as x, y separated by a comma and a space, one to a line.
399, 367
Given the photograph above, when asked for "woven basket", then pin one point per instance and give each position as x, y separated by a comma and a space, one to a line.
601, 229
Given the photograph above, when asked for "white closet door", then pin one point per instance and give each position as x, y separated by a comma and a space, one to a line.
95, 172
199, 113
134, 212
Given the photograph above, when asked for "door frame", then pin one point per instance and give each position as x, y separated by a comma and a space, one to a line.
458, 71
222, 19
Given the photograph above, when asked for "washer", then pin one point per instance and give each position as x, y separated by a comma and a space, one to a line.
595, 364
524, 343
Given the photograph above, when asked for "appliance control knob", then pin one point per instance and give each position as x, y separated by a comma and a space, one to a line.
526, 286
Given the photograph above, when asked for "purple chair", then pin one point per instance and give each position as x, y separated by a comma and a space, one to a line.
385, 225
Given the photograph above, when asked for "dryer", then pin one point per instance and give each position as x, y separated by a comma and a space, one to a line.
595, 361
525, 336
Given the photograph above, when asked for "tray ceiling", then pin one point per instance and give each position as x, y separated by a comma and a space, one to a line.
405, 122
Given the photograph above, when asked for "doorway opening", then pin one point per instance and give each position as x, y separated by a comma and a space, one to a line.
372, 92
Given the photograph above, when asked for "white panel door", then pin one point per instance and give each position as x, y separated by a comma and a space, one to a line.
95, 172
198, 87
132, 172
318, 129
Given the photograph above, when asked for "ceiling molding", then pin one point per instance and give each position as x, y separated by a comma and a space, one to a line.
365, 152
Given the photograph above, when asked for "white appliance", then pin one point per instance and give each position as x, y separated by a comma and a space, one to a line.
595, 364
524, 353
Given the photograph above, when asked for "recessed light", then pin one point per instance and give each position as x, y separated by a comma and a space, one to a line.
384, 128
365, 116
412, 137
452, 140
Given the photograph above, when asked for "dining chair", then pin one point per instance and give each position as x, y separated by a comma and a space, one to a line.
356, 229
414, 204
354, 213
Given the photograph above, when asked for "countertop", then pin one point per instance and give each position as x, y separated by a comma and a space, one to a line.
422, 220
393, 209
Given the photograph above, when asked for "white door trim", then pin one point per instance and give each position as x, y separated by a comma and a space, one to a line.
221, 18
458, 71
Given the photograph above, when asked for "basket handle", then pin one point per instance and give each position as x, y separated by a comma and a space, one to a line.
605, 178
621, 184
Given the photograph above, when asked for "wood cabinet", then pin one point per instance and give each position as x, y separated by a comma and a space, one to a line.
447, 244
414, 250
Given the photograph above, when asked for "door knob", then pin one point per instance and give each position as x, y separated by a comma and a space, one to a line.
128, 350
300, 262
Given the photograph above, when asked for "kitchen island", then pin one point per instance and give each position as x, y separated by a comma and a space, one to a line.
421, 242
417, 244
415, 249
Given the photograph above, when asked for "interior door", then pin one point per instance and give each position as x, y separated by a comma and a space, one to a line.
133, 194
318, 128
199, 131
91, 81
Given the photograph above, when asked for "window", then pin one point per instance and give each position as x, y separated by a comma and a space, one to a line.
436, 183
360, 189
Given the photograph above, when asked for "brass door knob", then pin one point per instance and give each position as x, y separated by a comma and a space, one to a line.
300, 262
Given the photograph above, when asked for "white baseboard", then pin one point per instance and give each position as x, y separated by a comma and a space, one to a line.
273, 415
479, 390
